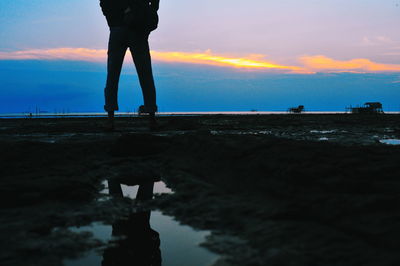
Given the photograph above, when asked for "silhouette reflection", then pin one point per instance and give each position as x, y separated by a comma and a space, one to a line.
137, 244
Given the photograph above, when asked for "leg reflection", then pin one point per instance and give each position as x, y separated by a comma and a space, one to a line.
137, 244
145, 191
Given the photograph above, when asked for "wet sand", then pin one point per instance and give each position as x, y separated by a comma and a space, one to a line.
273, 189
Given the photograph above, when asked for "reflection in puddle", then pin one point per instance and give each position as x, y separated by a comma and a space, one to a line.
144, 238
130, 191
179, 244
390, 141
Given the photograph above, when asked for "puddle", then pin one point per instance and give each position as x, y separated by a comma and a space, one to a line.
390, 141
130, 191
51, 141
389, 130
159, 188
322, 131
323, 139
179, 244
134, 239
170, 133
239, 132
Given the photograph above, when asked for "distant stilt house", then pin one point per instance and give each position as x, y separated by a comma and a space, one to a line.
296, 110
367, 108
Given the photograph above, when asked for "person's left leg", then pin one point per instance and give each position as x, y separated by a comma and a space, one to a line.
145, 191
114, 188
117, 46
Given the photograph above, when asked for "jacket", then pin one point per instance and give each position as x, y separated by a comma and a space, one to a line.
114, 10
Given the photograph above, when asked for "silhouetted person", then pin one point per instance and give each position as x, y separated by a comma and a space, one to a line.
130, 22
139, 244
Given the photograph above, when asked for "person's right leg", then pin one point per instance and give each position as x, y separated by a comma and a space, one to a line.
117, 46
139, 47
145, 191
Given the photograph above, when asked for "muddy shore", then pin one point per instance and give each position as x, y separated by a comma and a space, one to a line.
273, 189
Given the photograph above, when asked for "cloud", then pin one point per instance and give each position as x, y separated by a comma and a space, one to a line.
376, 41
307, 64
74, 54
392, 54
207, 58
99, 55
320, 63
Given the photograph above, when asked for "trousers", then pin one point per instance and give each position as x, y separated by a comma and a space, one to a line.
122, 38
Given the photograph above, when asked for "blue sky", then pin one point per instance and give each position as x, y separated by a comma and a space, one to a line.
319, 39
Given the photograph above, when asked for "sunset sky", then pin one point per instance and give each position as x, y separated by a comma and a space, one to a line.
287, 37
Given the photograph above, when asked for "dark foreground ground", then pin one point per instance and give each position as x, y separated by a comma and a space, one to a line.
297, 190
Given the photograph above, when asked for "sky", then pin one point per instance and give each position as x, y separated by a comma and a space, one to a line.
269, 45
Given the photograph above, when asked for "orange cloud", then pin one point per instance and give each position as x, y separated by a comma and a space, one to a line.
99, 55
308, 64
75, 54
207, 58
322, 63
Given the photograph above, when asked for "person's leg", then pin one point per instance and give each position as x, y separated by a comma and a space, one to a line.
114, 188
117, 46
139, 47
145, 191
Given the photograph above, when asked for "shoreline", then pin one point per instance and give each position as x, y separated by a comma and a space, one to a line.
166, 114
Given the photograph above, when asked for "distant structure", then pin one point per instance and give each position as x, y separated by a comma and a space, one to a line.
296, 110
367, 108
